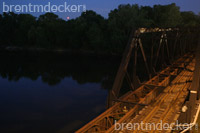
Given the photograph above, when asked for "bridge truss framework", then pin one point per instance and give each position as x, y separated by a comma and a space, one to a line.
176, 58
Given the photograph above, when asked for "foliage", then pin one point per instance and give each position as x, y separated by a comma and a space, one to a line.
90, 31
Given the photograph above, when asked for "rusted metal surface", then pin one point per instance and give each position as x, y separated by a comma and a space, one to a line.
195, 87
167, 106
133, 46
161, 53
174, 77
143, 95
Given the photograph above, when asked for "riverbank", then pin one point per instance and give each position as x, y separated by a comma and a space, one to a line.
59, 51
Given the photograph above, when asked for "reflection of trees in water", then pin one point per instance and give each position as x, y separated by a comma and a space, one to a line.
53, 68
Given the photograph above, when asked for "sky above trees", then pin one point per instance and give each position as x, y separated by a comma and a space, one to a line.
103, 7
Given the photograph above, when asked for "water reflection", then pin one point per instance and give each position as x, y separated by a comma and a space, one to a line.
46, 92
54, 67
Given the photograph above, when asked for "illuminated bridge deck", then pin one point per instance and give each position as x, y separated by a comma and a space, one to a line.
167, 106
171, 94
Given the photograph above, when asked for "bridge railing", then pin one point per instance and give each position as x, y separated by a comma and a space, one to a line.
141, 94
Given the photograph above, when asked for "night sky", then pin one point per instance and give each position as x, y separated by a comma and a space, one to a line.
103, 7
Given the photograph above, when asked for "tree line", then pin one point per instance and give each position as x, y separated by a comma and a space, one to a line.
90, 31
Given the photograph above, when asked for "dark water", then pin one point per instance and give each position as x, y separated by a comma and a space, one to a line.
52, 92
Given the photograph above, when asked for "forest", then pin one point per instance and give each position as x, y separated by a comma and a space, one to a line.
90, 31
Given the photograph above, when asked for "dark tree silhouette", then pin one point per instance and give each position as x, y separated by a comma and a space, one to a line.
90, 32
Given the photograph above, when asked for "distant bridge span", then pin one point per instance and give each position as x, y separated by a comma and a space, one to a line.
169, 95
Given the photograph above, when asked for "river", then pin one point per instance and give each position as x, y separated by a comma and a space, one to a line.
52, 92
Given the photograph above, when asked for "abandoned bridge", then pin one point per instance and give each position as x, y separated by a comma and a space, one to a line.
171, 58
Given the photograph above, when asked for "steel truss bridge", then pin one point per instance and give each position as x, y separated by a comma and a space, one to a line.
172, 90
